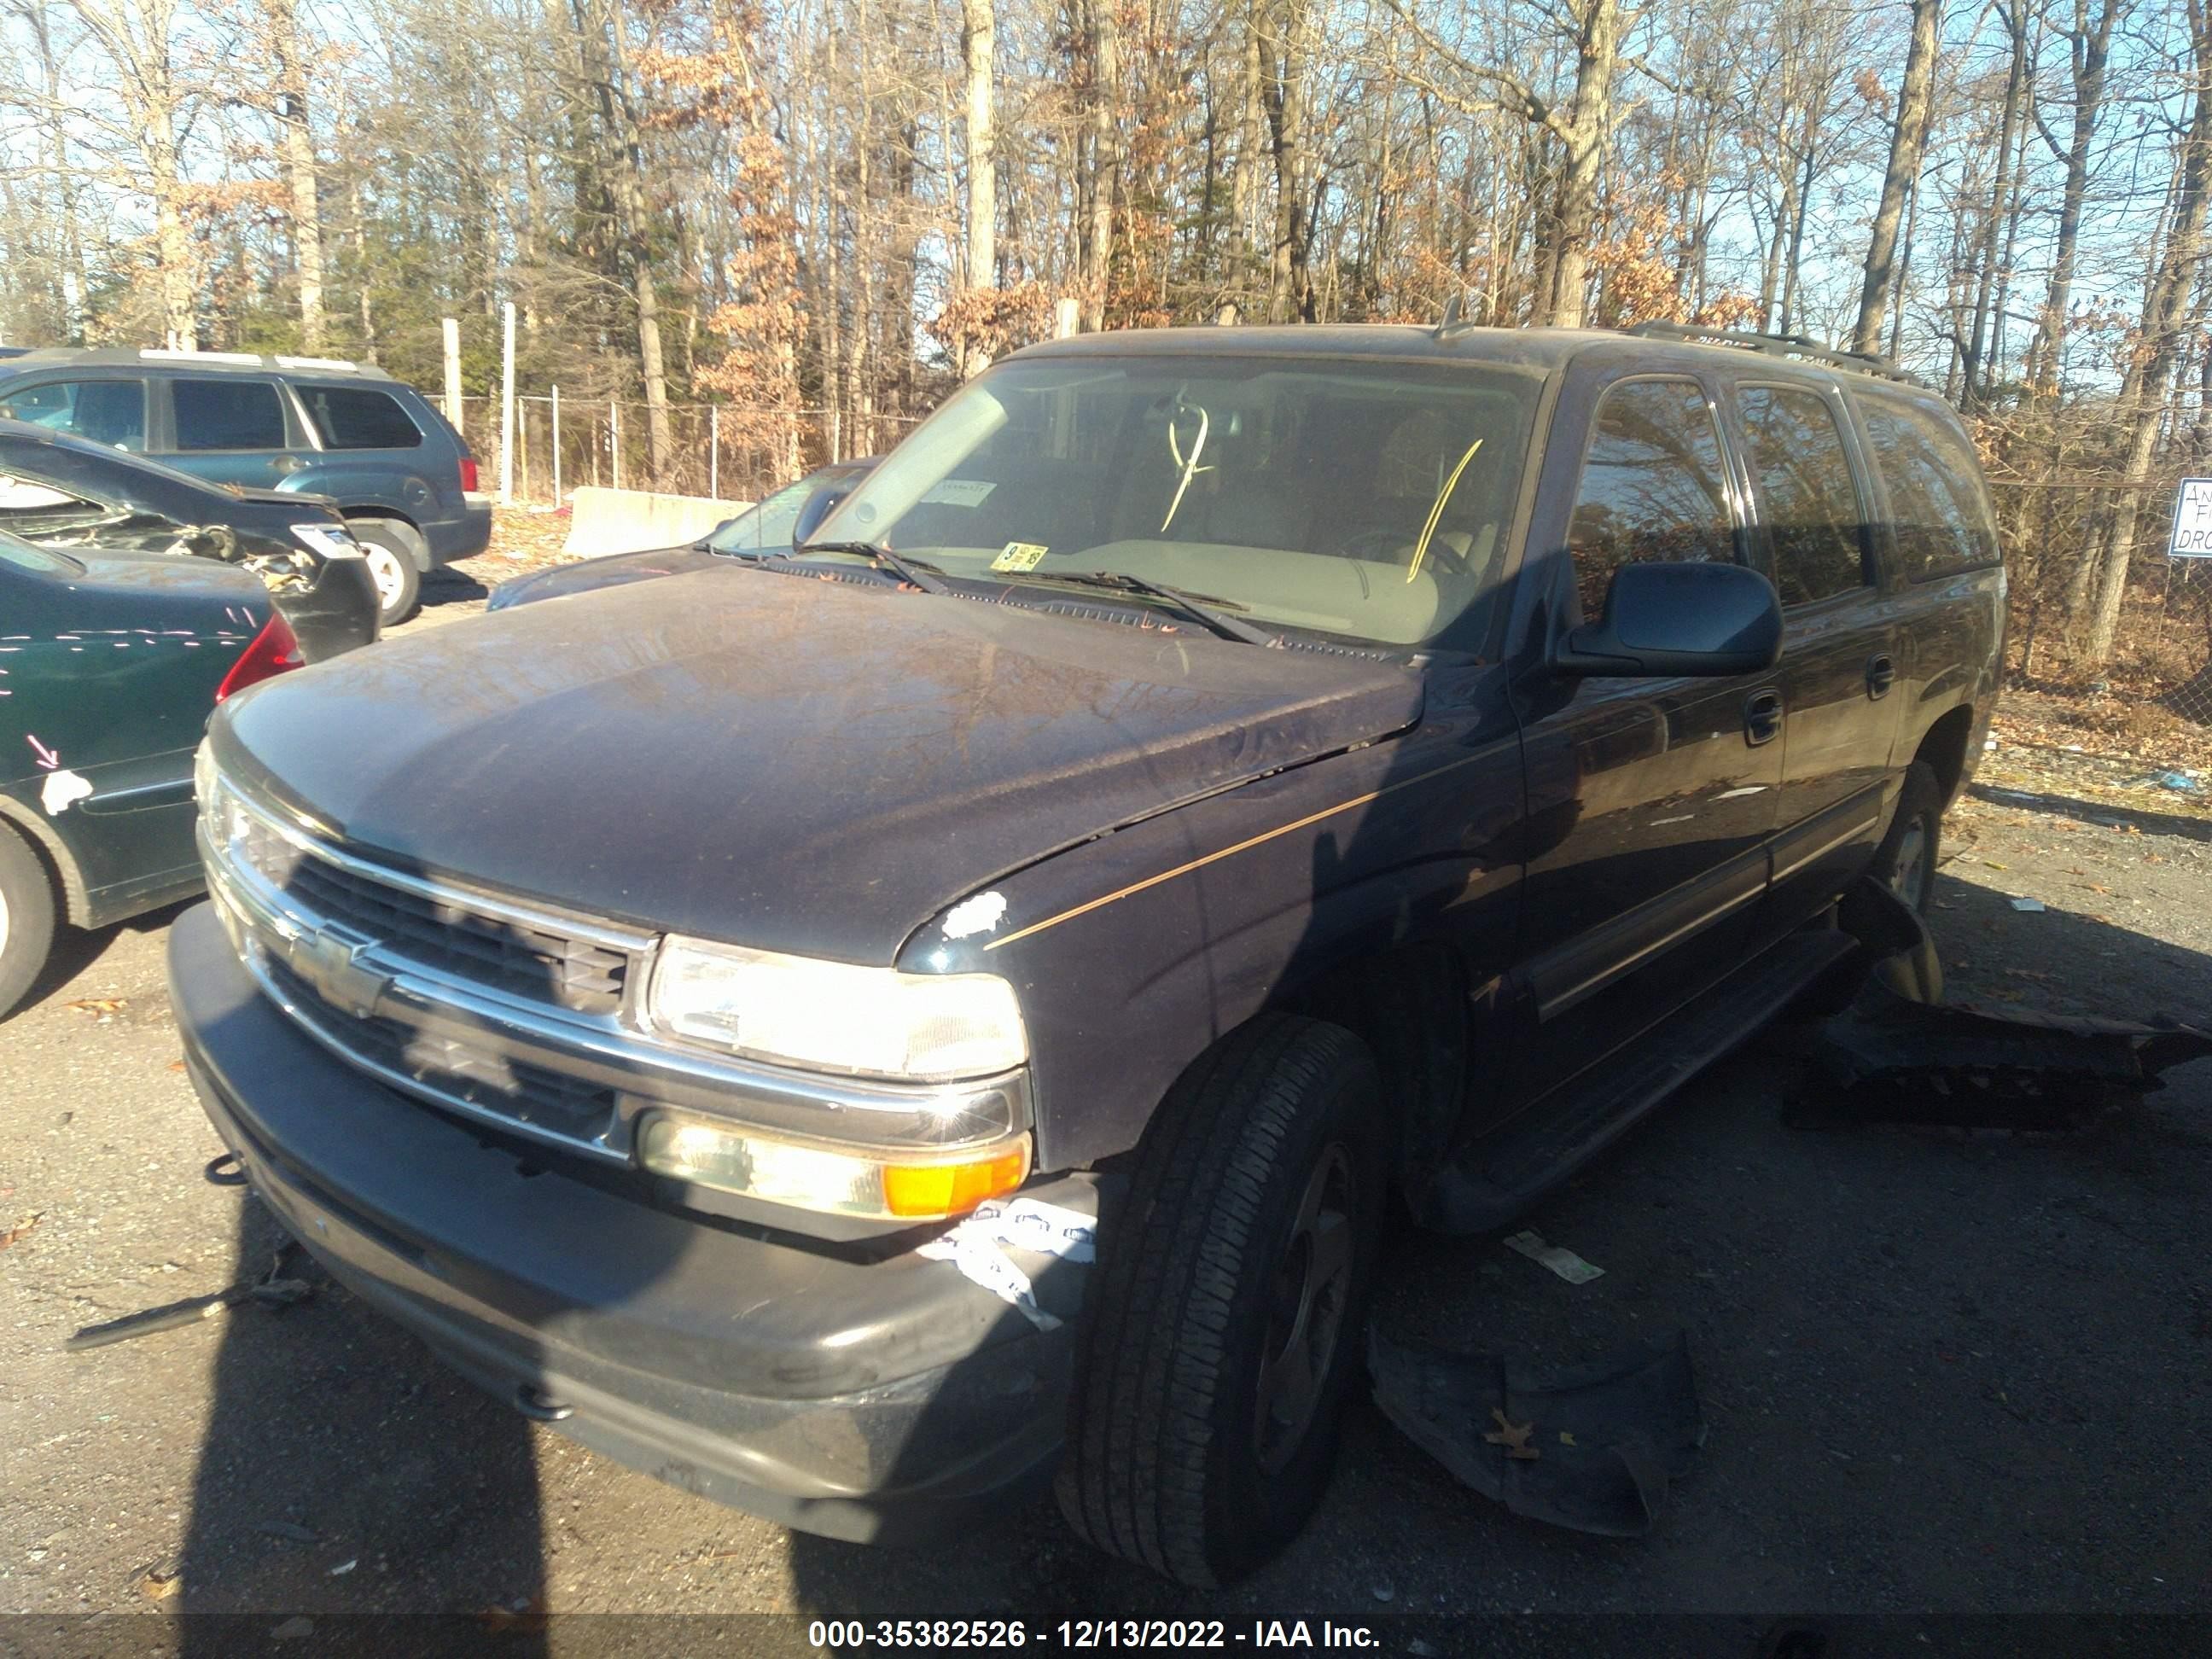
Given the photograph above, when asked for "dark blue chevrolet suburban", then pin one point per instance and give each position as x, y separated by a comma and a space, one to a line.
374, 446
949, 1006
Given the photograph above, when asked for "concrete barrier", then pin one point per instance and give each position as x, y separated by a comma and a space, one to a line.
629, 520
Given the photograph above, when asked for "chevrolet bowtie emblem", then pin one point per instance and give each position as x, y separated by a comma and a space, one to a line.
330, 960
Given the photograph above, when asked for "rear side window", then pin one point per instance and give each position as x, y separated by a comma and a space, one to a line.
111, 412
228, 414
1811, 505
357, 418
1652, 486
1942, 521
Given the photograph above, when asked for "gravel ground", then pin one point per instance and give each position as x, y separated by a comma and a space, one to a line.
1942, 1374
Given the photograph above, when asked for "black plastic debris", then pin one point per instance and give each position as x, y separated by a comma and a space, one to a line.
273, 1289
1899, 1054
1593, 1447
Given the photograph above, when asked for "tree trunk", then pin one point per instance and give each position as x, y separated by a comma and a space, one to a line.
1908, 140
623, 155
300, 172
2166, 321
1974, 354
1583, 134
2090, 44
979, 45
1283, 92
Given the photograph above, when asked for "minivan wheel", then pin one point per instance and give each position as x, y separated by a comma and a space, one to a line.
27, 918
392, 564
1905, 861
1223, 1328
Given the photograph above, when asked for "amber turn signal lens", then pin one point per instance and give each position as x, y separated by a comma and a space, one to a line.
936, 1189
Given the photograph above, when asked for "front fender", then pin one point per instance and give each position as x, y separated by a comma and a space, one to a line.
1133, 953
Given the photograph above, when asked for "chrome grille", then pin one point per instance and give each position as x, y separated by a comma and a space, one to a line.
443, 932
460, 1071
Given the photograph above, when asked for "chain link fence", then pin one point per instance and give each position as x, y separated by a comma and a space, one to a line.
561, 442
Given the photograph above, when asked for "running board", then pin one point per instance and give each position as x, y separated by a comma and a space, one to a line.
1508, 1169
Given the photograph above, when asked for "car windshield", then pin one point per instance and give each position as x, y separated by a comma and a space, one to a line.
1361, 499
767, 525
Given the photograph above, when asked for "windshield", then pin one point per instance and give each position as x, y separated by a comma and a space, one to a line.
770, 524
1360, 499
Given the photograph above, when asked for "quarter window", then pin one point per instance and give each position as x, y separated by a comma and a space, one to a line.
111, 412
355, 417
1652, 486
228, 415
1934, 482
1811, 505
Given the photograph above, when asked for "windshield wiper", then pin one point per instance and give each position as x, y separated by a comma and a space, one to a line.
1228, 627
883, 559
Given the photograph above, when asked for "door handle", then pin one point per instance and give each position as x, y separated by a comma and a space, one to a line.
1762, 717
1881, 675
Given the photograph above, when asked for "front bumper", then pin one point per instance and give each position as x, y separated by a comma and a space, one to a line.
857, 1394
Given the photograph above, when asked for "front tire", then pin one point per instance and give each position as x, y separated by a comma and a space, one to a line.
27, 918
392, 564
1225, 1321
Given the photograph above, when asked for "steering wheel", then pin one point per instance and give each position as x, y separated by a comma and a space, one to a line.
1384, 545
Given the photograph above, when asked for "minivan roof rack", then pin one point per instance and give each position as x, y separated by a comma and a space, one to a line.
117, 355
1777, 345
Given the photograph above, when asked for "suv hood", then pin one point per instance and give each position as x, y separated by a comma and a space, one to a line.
817, 766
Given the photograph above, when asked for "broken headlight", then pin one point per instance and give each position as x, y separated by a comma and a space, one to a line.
333, 541
834, 1016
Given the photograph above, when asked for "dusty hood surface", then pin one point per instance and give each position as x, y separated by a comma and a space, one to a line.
780, 760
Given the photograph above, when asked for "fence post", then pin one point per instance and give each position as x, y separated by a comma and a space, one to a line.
556, 445
614, 434
453, 371
507, 411
715, 450
1067, 319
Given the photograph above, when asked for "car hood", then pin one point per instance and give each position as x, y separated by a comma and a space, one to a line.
610, 571
793, 762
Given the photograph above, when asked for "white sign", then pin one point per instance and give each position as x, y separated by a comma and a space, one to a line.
2192, 522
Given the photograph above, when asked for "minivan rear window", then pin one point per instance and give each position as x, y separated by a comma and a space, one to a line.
356, 417
1942, 518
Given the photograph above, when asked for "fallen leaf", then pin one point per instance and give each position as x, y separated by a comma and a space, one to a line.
101, 1005
1565, 1439
1514, 1437
155, 1585
22, 1229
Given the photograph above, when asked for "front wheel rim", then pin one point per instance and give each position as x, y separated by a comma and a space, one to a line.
1310, 1292
384, 570
3, 924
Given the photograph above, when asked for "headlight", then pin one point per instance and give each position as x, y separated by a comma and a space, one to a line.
333, 541
843, 1183
870, 1022
204, 778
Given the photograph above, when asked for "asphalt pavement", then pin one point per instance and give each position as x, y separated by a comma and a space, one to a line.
1942, 1373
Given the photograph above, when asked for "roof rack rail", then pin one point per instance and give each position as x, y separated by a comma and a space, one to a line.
1777, 345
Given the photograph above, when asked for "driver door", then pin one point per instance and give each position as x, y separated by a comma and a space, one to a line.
1651, 801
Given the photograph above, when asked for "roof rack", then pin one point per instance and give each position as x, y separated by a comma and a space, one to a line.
1777, 345
113, 355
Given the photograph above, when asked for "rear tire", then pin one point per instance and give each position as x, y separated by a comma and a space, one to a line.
27, 918
1225, 1322
390, 551
1905, 861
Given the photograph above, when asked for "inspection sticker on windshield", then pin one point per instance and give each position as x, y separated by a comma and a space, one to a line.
1019, 555
960, 492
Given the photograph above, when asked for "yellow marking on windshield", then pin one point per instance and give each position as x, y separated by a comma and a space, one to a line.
1230, 852
1421, 547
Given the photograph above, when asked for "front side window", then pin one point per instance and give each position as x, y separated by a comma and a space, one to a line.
359, 418
228, 414
1653, 486
1941, 517
1808, 500
110, 412
767, 525
1365, 500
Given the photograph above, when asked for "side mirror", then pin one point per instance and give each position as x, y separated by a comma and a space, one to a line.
1704, 619
819, 506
